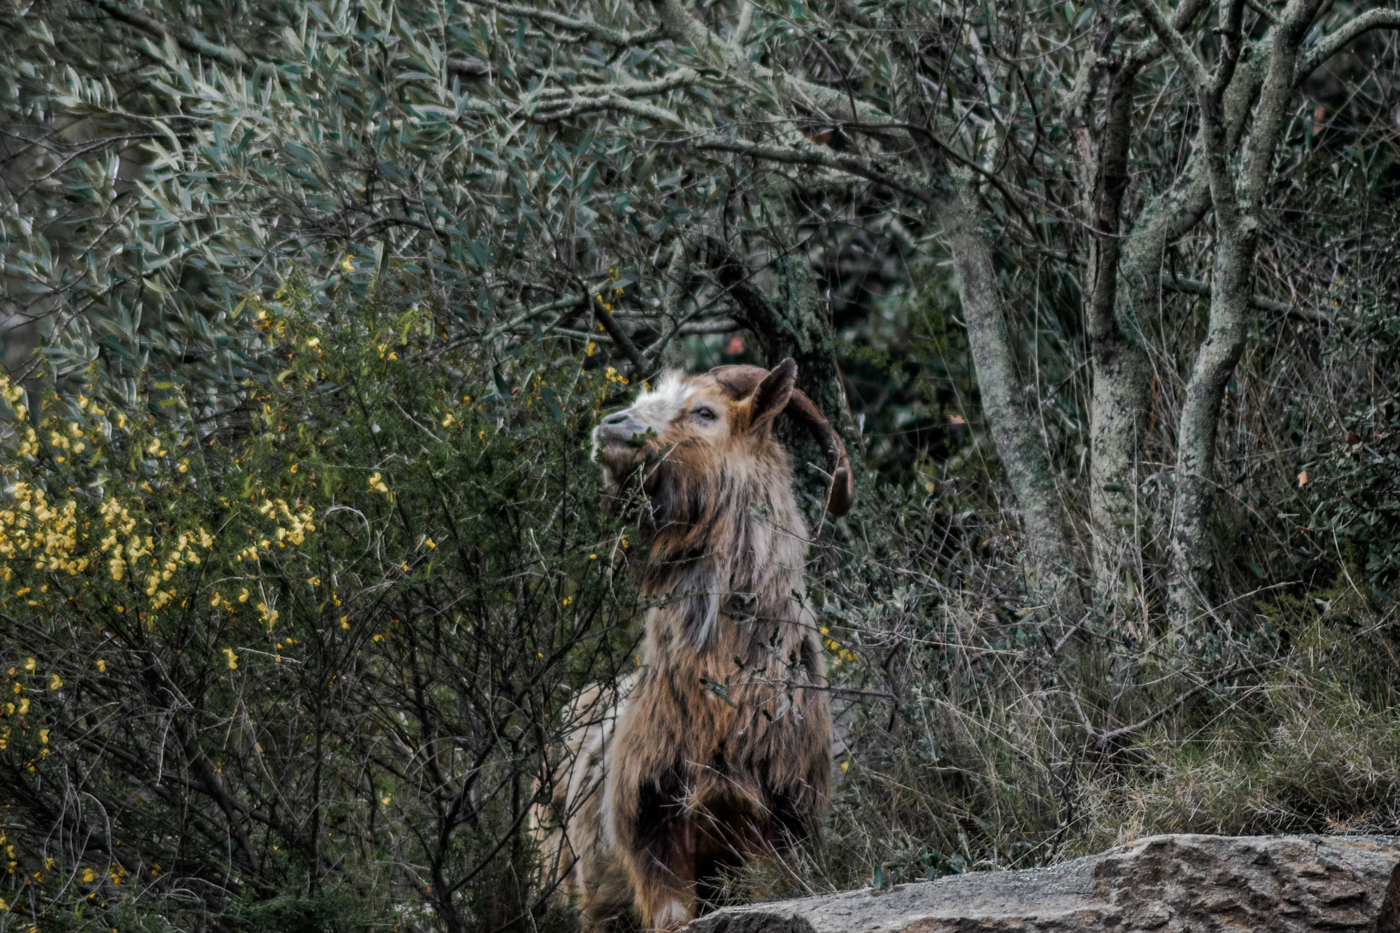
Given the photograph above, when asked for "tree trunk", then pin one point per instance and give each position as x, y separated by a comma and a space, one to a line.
1237, 200
1188, 592
1120, 366
1050, 570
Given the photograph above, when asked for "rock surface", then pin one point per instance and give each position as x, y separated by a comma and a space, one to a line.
1162, 884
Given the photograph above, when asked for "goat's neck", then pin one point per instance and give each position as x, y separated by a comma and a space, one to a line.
727, 550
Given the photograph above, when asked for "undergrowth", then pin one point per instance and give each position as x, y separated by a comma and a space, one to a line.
296, 665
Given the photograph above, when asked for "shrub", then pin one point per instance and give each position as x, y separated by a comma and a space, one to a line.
294, 666
1356, 496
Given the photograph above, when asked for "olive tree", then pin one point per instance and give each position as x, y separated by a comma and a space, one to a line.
1001, 124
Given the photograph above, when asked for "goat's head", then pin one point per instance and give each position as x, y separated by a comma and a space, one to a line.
696, 423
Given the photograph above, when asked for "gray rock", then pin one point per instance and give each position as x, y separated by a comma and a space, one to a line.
1162, 884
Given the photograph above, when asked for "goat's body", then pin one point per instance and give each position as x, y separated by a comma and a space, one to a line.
722, 749
573, 841
698, 785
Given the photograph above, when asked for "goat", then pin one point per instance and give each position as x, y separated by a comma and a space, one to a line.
720, 748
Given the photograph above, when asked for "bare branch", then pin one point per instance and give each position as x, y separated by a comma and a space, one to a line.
1176, 44
608, 101
1272, 305
619, 337
187, 39
1231, 45
604, 34
467, 68
1264, 12
529, 314
808, 154
1103, 738
1146, 51
1334, 43
681, 77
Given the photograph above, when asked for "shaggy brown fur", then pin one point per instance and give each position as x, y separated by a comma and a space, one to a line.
721, 750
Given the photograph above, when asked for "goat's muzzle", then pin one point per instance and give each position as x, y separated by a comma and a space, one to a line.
621, 429
618, 442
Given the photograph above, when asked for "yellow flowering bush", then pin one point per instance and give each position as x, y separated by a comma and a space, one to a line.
258, 650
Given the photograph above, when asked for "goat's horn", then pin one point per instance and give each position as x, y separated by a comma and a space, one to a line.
843, 481
741, 380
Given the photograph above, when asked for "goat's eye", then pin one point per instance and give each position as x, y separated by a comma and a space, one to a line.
705, 414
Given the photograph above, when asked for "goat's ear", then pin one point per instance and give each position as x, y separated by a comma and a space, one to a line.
772, 394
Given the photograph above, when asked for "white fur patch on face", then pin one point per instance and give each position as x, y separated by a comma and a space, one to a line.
658, 407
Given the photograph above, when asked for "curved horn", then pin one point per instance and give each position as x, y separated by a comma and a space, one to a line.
740, 381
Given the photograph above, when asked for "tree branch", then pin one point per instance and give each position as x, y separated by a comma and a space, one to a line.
607, 101
185, 38
1176, 44
681, 77
619, 337
614, 97
1149, 49
684, 29
467, 67
1272, 305
808, 154
1334, 43
604, 34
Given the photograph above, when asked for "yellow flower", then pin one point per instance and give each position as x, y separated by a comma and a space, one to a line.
232, 659
30, 664
55, 682
215, 600
43, 736
101, 666
346, 264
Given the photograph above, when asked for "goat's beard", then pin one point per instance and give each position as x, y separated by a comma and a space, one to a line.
619, 461
629, 470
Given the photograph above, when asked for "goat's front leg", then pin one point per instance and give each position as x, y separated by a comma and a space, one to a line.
663, 870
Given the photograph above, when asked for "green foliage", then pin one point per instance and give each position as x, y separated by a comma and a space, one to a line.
317, 651
370, 489
327, 911
153, 188
1356, 490
962, 741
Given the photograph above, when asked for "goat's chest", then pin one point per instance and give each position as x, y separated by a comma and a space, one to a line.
729, 703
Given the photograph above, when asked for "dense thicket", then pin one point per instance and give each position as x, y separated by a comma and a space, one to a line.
301, 675
318, 302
